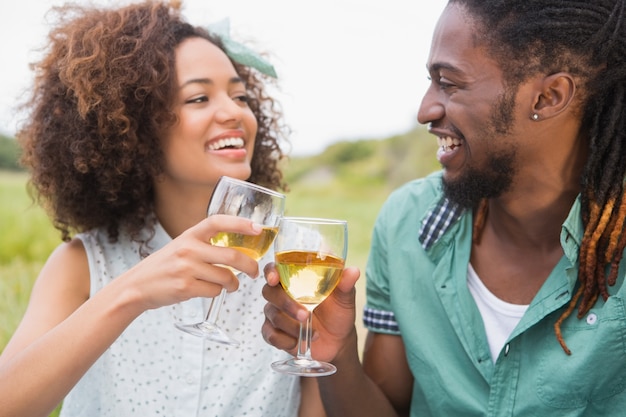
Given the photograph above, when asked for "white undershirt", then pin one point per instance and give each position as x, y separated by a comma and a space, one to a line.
499, 317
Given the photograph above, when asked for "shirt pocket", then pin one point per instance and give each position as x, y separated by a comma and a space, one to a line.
594, 371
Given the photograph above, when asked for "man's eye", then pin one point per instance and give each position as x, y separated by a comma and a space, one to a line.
441, 82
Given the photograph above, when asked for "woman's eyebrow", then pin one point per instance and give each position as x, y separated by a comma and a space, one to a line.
233, 80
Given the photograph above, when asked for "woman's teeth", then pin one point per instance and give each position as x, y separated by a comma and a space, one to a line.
226, 143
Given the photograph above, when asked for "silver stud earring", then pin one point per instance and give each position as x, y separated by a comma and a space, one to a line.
535, 116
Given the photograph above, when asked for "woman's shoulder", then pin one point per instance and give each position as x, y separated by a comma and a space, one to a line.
65, 275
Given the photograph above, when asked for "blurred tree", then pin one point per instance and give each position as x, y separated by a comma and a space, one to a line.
9, 154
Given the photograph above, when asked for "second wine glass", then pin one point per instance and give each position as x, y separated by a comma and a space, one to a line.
310, 256
244, 199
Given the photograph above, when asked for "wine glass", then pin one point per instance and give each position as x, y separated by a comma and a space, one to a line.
309, 257
244, 199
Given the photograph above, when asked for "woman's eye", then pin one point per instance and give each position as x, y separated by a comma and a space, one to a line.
199, 99
243, 98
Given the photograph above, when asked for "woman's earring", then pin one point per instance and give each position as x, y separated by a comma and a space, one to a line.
535, 116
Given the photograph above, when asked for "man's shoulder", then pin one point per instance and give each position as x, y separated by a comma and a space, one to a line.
421, 192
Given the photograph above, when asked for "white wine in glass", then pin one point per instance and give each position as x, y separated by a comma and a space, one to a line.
261, 205
308, 277
253, 246
309, 257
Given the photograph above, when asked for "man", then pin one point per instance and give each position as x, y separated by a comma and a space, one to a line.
493, 287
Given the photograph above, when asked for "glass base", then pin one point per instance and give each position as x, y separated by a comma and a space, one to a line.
208, 331
304, 367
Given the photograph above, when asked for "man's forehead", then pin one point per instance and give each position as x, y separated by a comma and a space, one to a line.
455, 40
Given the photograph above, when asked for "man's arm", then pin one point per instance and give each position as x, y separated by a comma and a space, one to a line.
380, 387
351, 391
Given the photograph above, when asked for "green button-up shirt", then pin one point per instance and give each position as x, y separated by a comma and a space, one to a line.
417, 288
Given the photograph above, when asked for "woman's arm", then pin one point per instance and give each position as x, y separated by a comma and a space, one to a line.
64, 331
60, 336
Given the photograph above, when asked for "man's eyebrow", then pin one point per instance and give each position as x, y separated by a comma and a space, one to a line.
438, 66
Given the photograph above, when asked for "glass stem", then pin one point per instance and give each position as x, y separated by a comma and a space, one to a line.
215, 307
304, 339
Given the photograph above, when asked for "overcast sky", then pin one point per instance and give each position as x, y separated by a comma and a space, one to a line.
348, 69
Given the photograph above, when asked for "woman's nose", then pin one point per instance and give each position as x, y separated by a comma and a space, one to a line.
228, 110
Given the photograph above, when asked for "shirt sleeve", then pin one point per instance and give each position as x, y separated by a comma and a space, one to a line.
378, 315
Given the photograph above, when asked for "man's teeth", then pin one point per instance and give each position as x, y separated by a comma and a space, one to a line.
225, 143
448, 143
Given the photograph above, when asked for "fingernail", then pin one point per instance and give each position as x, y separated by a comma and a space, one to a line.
302, 315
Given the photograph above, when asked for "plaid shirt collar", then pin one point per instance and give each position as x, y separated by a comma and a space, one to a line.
438, 221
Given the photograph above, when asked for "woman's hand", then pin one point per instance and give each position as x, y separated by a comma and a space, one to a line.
190, 266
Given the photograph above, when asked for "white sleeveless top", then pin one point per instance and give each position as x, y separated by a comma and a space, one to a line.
154, 369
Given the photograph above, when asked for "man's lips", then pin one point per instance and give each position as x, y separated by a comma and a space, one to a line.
448, 143
448, 146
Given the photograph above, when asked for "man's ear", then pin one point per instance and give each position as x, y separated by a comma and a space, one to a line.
555, 95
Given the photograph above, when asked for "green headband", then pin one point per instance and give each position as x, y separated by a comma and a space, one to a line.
239, 52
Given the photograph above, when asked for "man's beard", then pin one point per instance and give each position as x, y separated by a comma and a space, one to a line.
496, 176
476, 183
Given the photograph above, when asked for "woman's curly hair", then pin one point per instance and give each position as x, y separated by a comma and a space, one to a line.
102, 97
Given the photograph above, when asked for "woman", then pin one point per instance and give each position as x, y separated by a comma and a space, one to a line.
135, 115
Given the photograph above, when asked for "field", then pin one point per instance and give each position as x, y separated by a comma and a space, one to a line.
27, 240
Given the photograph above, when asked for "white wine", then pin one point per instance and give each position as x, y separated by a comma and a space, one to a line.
253, 246
308, 277
309, 258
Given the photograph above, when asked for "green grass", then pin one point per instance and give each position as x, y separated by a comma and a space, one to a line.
27, 240
25, 229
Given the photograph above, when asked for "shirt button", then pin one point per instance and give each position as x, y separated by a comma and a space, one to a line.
190, 379
506, 349
592, 318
